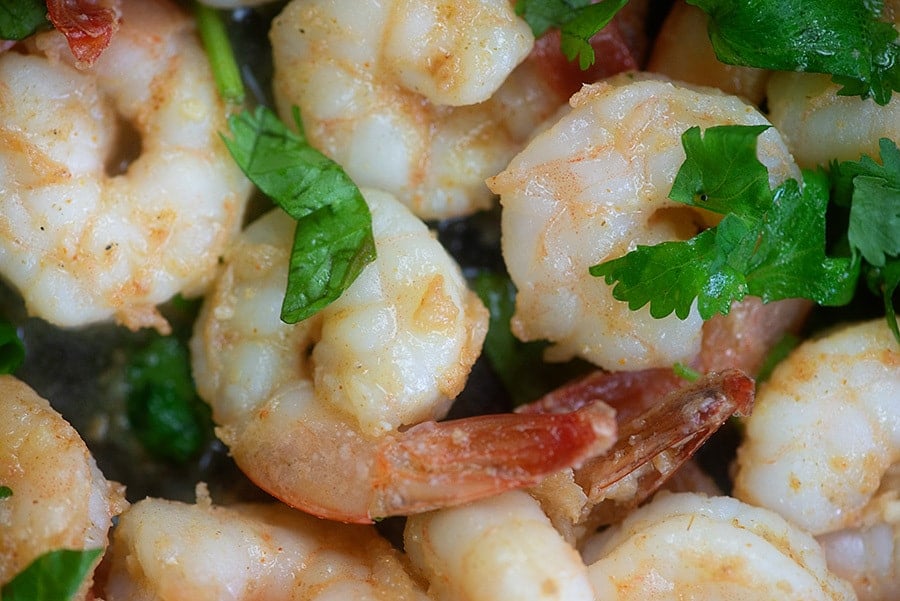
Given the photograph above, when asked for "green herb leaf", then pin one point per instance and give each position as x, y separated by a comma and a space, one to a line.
333, 240
577, 21
21, 18
54, 576
162, 405
5, 492
770, 244
885, 281
872, 191
844, 38
221, 56
519, 365
12, 350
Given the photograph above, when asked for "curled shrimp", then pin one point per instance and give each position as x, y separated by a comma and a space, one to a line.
167, 551
821, 126
60, 499
82, 237
407, 96
590, 188
335, 414
822, 443
687, 545
679, 546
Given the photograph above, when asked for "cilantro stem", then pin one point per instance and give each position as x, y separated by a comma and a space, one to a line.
221, 55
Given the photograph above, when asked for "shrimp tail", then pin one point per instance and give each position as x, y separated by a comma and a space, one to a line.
682, 422
436, 464
661, 424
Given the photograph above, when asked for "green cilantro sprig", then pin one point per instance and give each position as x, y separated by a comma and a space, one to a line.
53, 576
21, 18
333, 240
872, 191
12, 349
577, 21
770, 244
5, 492
520, 366
162, 405
844, 38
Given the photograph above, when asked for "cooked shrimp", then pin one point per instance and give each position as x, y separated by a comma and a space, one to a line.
689, 546
82, 238
402, 93
502, 547
590, 188
661, 424
820, 126
679, 546
169, 551
824, 436
59, 499
323, 414
682, 51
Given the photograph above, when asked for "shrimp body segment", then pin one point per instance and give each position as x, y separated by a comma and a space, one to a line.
406, 95
503, 547
822, 448
689, 546
335, 414
825, 430
678, 546
85, 238
59, 499
169, 551
589, 189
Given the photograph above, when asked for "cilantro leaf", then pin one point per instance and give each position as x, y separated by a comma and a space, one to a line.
53, 576
333, 240
872, 191
844, 38
12, 350
162, 405
5, 492
885, 281
21, 18
770, 244
519, 365
577, 21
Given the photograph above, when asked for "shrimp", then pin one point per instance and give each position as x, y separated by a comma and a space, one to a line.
502, 547
682, 51
820, 126
407, 96
60, 499
679, 546
823, 440
590, 188
82, 237
689, 546
169, 551
334, 414
660, 426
